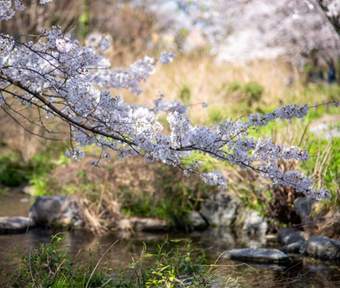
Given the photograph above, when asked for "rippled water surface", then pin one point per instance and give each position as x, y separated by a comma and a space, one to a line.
302, 273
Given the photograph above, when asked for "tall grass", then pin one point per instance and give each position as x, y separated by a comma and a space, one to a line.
52, 266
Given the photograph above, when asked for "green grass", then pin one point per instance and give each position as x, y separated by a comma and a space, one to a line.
52, 266
325, 163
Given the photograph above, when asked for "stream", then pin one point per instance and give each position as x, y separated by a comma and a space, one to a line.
304, 272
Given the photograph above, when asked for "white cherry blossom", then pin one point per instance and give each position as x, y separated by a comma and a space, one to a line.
60, 78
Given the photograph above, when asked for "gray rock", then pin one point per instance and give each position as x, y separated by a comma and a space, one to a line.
148, 224
220, 209
294, 248
56, 210
124, 225
324, 248
303, 206
255, 224
196, 221
15, 224
303, 248
258, 255
290, 235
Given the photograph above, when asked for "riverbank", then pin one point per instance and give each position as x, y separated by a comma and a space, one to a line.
212, 242
301, 273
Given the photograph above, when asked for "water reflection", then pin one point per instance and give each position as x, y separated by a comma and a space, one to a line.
15, 204
304, 272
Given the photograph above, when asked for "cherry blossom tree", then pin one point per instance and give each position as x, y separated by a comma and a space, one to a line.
62, 79
332, 12
35, 17
239, 30
298, 30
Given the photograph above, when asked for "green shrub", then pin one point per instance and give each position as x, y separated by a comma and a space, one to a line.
253, 91
185, 94
216, 113
174, 201
12, 172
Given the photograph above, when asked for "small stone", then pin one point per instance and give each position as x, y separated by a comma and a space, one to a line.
258, 255
303, 206
325, 248
294, 248
148, 224
290, 235
15, 224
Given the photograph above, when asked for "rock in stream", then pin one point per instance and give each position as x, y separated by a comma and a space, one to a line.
56, 210
258, 255
15, 224
324, 248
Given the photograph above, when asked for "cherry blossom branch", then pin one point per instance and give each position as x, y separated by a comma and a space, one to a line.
65, 80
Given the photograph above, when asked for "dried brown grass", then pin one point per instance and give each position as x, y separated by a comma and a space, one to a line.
208, 82
104, 190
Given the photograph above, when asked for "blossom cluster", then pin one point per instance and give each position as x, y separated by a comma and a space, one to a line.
63, 79
333, 7
168, 106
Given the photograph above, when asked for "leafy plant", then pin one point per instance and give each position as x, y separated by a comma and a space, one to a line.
174, 268
52, 266
174, 201
250, 91
12, 172
253, 91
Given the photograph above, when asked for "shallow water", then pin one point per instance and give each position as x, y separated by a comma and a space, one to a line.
302, 273
15, 204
